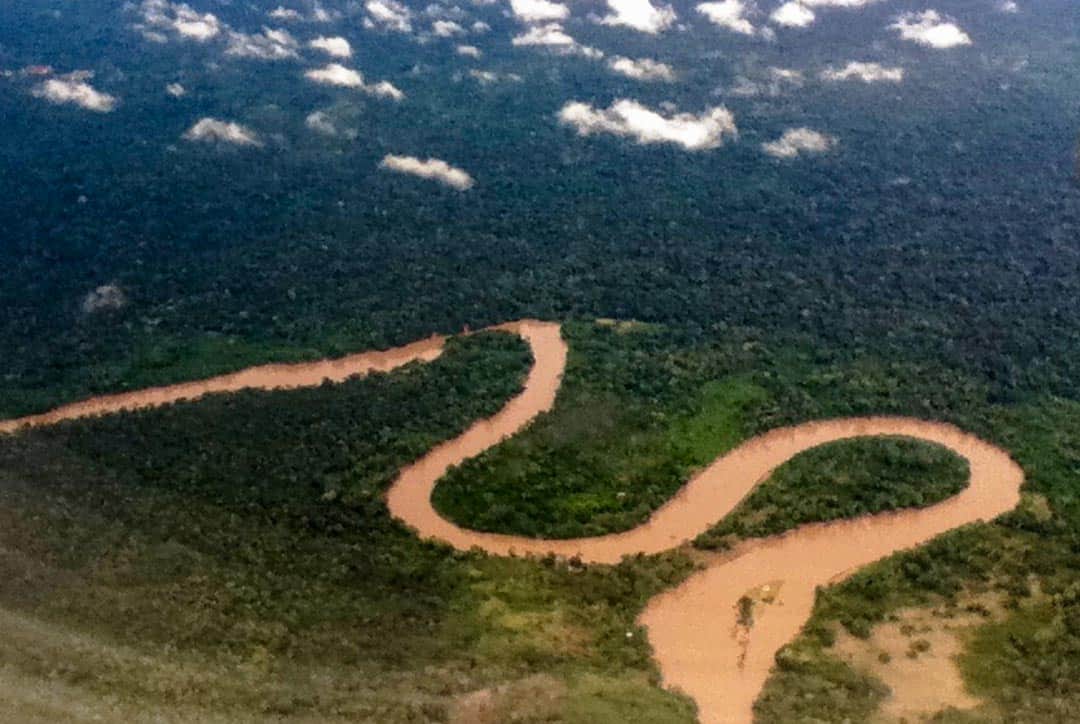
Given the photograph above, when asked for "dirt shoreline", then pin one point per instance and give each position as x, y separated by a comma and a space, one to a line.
693, 627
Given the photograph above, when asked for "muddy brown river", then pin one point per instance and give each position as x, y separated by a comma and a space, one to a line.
697, 643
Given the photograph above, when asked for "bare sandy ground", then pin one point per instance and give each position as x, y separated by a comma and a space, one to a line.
698, 642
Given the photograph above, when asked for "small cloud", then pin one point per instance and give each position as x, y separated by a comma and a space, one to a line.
338, 75
630, 119
446, 28
320, 122
837, 3
538, 11
866, 72
642, 69
469, 51
176, 90
797, 141
793, 15
210, 130
444, 12
730, 14
268, 45
431, 168
480, 27
786, 75
1008, 6
640, 15
197, 27
931, 29
283, 13
318, 14
385, 89
487, 77
389, 15
74, 90
779, 80
180, 18
337, 47
554, 37
105, 297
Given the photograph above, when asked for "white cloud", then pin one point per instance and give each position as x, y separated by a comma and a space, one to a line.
384, 89
338, 75
269, 45
487, 77
75, 90
176, 90
730, 14
444, 12
640, 15
554, 37
337, 47
446, 28
198, 27
796, 141
642, 69
320, 122
866, 72
431, 168
388, 14
180, 18
631, 119
107, 296
318, 14
837, 3
931, 29
1008, 6
283, 13
480, 27
775, 85
470, 51
209, 130
793, 15
538, 11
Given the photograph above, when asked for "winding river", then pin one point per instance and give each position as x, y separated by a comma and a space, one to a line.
693, 628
